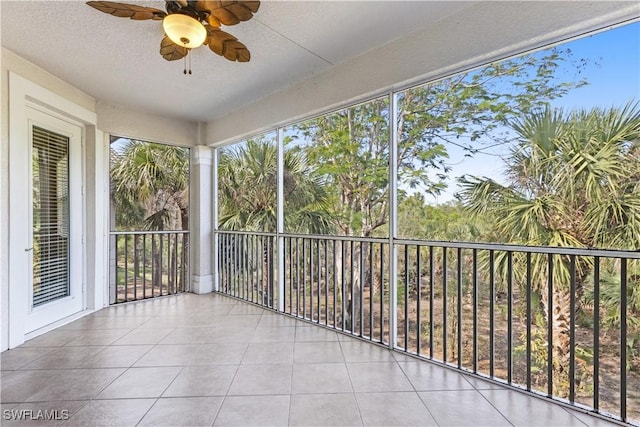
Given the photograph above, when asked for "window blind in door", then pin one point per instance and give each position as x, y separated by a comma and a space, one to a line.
50, 215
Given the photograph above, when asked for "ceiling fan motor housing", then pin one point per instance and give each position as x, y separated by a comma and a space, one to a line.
189, 10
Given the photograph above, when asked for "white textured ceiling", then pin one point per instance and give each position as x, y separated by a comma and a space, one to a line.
116, 60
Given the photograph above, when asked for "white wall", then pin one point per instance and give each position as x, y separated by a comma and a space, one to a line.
432, 53
14, 63
110, 120
127, 122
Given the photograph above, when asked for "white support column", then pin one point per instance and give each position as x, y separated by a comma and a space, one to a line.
216, 210
97, 201
201, 219
280, 213
393, 221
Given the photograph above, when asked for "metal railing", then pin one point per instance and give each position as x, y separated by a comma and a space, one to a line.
556, 322
147, 264
551, 321
338, 282
246, 266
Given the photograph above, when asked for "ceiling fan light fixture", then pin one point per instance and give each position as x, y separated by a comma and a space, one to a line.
184, 30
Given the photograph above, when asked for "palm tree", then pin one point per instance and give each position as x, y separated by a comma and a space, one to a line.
156, 177
248, 182
150, 190
573, 181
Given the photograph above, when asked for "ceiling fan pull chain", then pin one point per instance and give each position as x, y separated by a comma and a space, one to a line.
185, 63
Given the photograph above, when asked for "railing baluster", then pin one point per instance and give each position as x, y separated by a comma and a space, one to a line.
406, 298
371, 286
117, 274
297, 277
352, 314
246, 256
269, 272
596, 333
183, 265
459, 296
444, 304
474, 285
255, 255
342, 286
431, 297
550, 325
236, 260
144, 266
255, 269
361, 293
135, 267
154, 273
572, 329
623, 339
229, 263
252, 268
492, 298
222, 262
226, 263
319, 267
381, 293
234, 266
509, 317
304, 278
311, 279
271, 290
258, 255
126, 267
286, 242
262, 291
174, 270
326, 282
418, 300
161, 263
335, 287
529, 319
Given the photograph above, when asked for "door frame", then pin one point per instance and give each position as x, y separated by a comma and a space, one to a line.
75, 302
24, 95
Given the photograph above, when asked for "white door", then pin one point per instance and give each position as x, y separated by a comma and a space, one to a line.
54, 212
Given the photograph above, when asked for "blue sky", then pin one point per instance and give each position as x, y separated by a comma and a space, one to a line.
617, 79
614, 80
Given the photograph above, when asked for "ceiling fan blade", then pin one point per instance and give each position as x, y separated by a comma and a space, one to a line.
228, 12
224, 44
171, 51
131, 11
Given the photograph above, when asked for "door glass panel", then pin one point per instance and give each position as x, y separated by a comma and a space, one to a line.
50, 216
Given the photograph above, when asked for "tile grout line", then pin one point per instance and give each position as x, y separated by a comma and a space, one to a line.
235, 374
353, 390
414, 388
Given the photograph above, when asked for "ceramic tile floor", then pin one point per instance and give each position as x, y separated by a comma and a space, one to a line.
203, 360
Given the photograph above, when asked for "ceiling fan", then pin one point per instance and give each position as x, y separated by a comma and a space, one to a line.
189, 24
